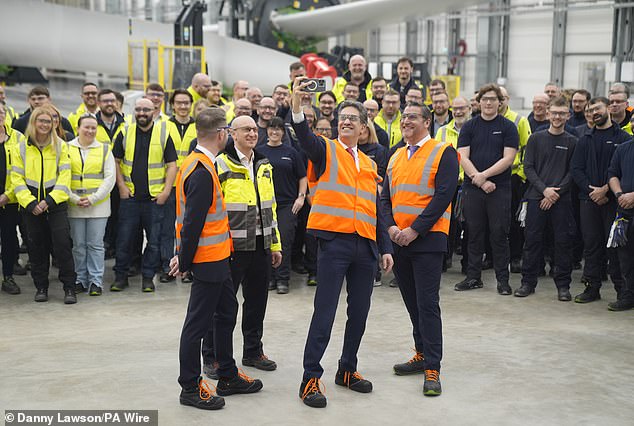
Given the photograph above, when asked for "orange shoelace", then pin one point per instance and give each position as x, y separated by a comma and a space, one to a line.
205, 391
244, 376
347, 375
313, 386
432, 375
418, 357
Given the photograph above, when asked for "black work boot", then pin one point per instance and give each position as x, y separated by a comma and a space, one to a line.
353, 381
590, 294
310, 393
120, 284
432, 383
9, 286
413, 366
201, 397
468, 284
240, 383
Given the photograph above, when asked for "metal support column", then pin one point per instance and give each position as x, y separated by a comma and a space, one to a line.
560, 17
453, 38
374, 45
429, 43
488, 48
622, 36
503, 69
411, 39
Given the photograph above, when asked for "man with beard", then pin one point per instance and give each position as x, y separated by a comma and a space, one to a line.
266, 111
589, 168
327, 105
146, 169
420, 183
579, 101
441, 114
404, 78
358, 75
89, 92
214, 95
389, 118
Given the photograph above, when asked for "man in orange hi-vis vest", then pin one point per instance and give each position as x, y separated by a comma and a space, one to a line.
351, 233
419, 186
204, 247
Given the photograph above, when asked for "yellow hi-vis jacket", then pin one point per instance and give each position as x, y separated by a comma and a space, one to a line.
40, 174
392, 129
87, 174
524, 130
241, 201
8, 146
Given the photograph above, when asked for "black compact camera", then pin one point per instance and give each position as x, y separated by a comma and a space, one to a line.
315, 85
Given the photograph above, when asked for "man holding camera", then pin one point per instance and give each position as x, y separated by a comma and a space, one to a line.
350, 231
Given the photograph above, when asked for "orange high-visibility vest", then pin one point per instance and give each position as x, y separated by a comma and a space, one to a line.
214, 243
413, 183
344, 199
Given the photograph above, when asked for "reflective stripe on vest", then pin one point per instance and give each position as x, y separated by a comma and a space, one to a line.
87, 174
410, 199
214, 243
156, 166
51, 182
338, 206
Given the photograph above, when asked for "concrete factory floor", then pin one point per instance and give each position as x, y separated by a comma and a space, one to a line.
533, 361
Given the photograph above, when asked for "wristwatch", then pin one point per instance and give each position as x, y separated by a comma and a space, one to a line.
618, 195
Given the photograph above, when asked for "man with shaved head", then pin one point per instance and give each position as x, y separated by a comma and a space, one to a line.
372, 107
246, 179
254, 95
266, 111
240, 88
538, 117
201, 83
358, 75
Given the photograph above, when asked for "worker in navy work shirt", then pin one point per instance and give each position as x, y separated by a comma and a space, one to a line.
621, 174
347, 220
290, 184
589, 168
547, 169
487, 145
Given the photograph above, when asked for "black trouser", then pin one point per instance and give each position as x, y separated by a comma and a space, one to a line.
348, 256
418, 275
454, 228
251, 269
516, 234
480, 210
286, 223
50, 232
9, 237
110, 236
578, 240
596, 221
209, 303
297, 257
626, 258
310, 258
560, 217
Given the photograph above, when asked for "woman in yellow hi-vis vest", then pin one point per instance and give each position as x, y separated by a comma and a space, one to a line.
93, 176
40, 176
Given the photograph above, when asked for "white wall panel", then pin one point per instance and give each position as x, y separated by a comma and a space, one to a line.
530, 47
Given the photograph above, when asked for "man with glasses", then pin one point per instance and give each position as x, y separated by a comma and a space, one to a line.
38, 96
110, 126
156, 94
589, 169
389, 118
441, 114
618, 109
246, 179
579, 102
488, 145
266, 112
372, 107
146, 169
346, 219
420, 184
89, 105
547, 168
